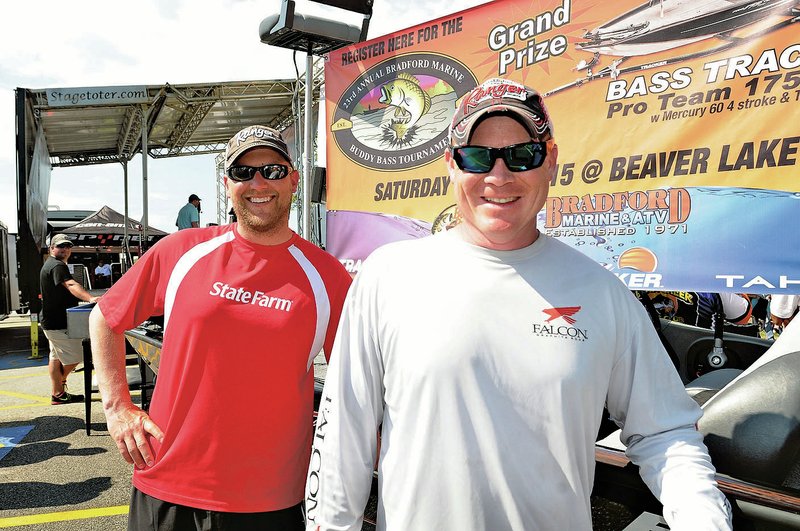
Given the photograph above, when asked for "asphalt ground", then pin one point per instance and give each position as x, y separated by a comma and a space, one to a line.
52, 475
55, 477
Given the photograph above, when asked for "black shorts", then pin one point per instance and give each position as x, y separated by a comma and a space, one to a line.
148, 513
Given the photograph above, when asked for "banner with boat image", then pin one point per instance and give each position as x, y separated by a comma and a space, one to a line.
677, 122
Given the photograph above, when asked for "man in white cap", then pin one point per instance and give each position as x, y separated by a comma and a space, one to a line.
247, 306
59, 292
486, 354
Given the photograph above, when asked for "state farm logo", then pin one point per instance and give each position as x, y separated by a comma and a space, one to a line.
395, 116
554, 325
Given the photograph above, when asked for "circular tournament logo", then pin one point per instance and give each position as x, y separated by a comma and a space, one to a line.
446, 220
395, 116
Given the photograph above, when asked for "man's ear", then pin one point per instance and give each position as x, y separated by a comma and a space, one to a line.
295, 177
452, 169
552, 160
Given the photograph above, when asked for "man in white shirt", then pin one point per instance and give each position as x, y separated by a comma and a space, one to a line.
782, 309
485, 356
102, 274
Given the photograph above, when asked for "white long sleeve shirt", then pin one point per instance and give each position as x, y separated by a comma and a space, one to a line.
487, 373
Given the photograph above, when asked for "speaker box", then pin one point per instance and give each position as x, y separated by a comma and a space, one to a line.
318, 185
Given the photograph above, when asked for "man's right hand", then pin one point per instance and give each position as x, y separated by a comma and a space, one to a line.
129, 426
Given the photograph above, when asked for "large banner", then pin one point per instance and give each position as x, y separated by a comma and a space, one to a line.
677, 123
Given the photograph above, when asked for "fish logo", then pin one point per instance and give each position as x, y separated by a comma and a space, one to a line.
410, 101
446, 220
565, 312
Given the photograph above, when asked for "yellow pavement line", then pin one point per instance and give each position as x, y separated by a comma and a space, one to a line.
37, 400
25, 396
18, 376
63, 516
23, 406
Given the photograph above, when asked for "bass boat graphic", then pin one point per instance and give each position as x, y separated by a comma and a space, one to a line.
664, 24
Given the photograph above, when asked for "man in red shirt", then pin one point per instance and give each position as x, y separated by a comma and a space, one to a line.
246, 307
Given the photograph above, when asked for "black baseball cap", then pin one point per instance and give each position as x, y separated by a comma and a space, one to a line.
194, 197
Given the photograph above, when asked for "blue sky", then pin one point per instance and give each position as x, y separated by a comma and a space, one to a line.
92, 43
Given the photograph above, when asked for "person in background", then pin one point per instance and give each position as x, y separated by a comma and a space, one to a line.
702, 308
246, 307
760, 305
189, 214
103, 274
782, 309
486, 353
59, 292
734, 308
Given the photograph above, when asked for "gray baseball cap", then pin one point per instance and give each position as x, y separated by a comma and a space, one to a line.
58, 239
252, 137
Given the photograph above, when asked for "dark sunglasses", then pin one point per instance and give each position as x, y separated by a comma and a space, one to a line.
271, 172
63, 245
519, 157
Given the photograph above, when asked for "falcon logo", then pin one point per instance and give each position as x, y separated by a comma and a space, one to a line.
551, 327
565, 312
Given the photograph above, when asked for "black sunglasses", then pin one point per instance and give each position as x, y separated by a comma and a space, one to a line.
519, 157
271, 172
63, 245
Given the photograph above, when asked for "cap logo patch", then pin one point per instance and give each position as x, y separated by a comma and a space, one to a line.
494, 92
257, 132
